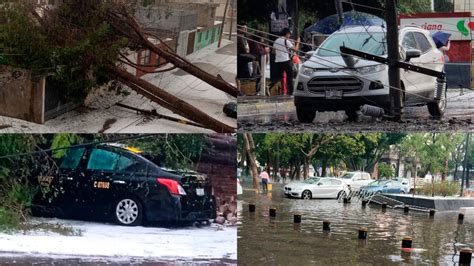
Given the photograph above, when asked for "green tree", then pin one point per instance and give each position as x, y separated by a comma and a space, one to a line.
385, 170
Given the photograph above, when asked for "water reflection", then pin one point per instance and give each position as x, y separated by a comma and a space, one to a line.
436, 240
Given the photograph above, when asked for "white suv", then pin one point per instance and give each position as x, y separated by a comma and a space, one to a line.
356, 180
327, 83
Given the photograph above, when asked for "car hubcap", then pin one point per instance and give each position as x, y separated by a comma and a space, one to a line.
127, 211
306, 195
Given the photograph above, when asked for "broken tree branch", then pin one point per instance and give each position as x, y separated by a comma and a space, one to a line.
185, 109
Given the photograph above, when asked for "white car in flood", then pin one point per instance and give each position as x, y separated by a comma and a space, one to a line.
316, 187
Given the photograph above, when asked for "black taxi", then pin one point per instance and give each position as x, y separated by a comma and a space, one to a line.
115, 181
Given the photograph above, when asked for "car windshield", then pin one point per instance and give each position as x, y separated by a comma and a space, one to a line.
347, 176
372, 43
311, 181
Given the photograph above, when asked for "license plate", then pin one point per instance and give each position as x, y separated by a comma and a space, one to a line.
200, 191
334, 94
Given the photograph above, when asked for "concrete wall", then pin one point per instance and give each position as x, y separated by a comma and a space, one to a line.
21, 95
167, 18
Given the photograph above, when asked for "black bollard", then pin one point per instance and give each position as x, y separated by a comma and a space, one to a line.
406, 209
297, 218
273, 212
251, 207
363, 233
465, 256
461, 217
406, 242
432, 212
384, 206
346, 200
326, 225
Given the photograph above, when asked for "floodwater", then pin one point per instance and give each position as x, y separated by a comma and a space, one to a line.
26, 260
265, 240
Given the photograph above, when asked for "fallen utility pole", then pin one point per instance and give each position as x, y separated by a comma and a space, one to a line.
171, 102
396, 107
160, 116
129, 27
339, 11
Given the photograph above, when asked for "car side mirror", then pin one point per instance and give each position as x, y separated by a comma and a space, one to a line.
385, 186
320, 184
412, 53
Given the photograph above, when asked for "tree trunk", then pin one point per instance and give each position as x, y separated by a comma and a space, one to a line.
324, 165
138, 35
170, 101
306, 168
251, 159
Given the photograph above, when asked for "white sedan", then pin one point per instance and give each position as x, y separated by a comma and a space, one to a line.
316, 188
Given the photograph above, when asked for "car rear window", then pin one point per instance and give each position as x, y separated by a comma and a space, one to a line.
103, 160
423, 42
72, 158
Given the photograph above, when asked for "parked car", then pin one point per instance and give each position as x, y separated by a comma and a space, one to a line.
114, 181
327, 83
316, 187
382, 186
406, 186
356, 180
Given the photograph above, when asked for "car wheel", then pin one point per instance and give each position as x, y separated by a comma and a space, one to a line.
352, 115
306, 194
128, 211
305, 115
437, 108
402, 192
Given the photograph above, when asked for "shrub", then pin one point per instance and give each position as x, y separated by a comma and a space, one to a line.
441, 188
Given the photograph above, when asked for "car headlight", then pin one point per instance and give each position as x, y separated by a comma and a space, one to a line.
371, 69
307, 70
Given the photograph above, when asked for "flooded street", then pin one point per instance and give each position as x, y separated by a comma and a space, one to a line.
265, 240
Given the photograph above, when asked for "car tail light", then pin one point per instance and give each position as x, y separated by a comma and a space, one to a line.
173, 186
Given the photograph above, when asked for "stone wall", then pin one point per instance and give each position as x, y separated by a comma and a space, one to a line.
21, 95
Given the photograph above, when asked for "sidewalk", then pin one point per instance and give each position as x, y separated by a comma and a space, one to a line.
100, 114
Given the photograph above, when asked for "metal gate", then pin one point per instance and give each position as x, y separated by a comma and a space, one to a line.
191, 40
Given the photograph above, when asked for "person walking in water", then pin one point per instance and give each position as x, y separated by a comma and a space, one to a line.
264, 177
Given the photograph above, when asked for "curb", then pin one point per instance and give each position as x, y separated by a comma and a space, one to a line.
250, 109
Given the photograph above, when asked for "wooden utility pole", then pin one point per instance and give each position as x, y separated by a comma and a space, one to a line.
393, 58
232, 8
223, 24
251, 159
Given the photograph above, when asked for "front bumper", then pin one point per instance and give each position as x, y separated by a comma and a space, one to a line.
293, 194
349, 103
356, 91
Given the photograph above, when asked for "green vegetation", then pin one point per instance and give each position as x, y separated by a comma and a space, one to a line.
441, 188
385, 170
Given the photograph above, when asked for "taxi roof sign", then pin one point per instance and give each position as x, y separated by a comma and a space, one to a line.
133, 149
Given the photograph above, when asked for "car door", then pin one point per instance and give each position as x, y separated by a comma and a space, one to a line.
113, 174
415, 83
323, 188
68, 182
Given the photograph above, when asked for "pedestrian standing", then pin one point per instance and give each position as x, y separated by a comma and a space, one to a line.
283, 47
264, 177
257, 49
